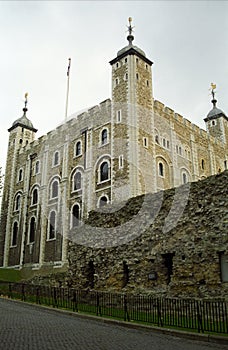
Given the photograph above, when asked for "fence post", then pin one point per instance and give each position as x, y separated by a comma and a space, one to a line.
126, 315
23, 292
38, 295
55, 301
10, 291
74, 301
199, 318
159, 314
98, 304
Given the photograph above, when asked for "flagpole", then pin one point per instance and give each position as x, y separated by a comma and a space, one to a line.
68, 84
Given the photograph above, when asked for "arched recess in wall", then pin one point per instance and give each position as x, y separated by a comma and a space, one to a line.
54, 187
76, 179
185, 176
102, 200
163, 173
34, 194
102, 169
17, 201
14, 233
75, 215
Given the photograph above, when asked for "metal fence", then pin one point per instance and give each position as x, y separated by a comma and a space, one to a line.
192, 314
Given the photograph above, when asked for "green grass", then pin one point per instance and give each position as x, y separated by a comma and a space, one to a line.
139, 317
10, 275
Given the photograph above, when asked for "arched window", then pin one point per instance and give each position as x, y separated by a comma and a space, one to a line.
52, 225
17, 203
54, 189
35, 196
56, 158
184, 178
32, 229
160, 169
77, 181
37, 167
103, 201
104, 137
157, 139
78, 148
104, 171
14, 234
76, 215
20, 175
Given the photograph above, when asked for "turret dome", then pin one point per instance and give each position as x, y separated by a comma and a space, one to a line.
23, 121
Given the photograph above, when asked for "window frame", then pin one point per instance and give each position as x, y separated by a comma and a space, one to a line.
20, 175
32, 196
74, 182
161, 171
73, 218
100, 180
76, 152
17, 202
13, 240
105, 202
33, 218
56, 162
104, 140
37, 168
51, 196
50, 224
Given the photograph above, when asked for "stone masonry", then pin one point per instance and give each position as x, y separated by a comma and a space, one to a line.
170, 243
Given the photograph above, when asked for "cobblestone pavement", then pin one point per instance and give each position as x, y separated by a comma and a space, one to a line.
27, 327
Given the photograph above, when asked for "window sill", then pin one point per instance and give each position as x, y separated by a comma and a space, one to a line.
50, 239
103, 144
102, 182
77, 156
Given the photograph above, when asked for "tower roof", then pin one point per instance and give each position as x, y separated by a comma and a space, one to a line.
214, 112
23, 121
131, 49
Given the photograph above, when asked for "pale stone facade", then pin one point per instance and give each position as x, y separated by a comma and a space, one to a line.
122, 148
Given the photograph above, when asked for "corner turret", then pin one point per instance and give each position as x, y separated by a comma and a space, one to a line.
22, 130
216, 120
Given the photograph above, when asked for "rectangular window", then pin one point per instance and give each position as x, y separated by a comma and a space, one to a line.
145, 142
121, 161
118, 116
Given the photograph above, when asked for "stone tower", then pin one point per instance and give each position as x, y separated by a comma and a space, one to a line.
131, 116
22, 133
216, 120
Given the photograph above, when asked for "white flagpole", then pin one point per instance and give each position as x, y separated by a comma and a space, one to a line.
68, 84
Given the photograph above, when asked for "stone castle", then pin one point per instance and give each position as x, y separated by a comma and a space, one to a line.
122, 148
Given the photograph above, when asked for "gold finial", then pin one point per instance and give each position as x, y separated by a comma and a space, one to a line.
213, 87
26, 101
130, 37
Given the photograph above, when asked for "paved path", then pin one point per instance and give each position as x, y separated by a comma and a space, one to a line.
26, 327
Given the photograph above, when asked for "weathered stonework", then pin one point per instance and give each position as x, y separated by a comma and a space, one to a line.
194, 244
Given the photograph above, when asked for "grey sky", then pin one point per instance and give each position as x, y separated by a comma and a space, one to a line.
186, 40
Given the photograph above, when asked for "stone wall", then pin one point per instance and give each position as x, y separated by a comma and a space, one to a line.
168, 243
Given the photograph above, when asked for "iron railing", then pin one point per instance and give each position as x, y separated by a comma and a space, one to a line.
192, 314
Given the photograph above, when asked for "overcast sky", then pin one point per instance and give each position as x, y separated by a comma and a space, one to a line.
186, 40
